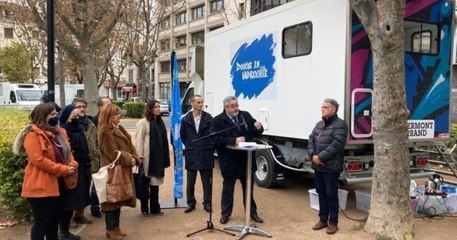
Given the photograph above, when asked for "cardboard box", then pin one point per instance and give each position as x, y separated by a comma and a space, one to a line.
314, 198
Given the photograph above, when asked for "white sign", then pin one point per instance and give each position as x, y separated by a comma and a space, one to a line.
419, 129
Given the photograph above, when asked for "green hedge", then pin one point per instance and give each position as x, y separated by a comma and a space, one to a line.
119, 104
134, 109
12, 166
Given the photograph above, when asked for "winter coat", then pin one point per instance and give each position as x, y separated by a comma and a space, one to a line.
233, 162
199, 154
111, 140
153, 167
90, 132
327, 140
78, 197
41, 175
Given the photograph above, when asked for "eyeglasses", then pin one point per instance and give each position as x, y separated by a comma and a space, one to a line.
325, 107
233, 105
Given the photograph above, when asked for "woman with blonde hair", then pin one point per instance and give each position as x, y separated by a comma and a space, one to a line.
112, 137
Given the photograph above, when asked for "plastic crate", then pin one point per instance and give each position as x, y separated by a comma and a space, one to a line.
314, 198
363, 200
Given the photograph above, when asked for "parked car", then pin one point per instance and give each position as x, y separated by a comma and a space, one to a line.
164, 106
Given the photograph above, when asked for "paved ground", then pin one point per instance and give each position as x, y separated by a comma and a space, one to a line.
286, 211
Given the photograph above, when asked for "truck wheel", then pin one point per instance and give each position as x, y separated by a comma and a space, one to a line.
265, 174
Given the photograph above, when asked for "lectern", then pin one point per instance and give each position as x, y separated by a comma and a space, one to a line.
247, 228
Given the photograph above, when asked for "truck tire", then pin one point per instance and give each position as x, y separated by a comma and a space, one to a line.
265, 176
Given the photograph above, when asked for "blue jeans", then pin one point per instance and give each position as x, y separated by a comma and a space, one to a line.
94, 204
327, 189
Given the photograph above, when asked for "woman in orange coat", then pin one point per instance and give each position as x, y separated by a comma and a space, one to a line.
49, 160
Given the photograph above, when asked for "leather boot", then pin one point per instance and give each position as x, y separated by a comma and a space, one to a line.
119, 232
112, 234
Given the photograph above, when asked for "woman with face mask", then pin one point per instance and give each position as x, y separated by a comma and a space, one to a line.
49, 160
77, 198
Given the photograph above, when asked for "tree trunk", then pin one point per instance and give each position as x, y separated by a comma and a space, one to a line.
390, 213
90, 84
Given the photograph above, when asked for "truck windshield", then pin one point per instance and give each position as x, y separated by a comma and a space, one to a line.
29, 95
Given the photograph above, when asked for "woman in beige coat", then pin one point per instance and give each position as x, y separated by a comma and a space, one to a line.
152, 144
112, 138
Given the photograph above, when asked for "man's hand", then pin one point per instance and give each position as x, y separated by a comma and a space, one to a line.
240, 139
316, 160
258, 125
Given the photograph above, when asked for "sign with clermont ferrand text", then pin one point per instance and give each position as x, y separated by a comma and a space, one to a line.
418, 129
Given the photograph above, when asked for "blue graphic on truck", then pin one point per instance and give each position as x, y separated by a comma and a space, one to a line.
252, 68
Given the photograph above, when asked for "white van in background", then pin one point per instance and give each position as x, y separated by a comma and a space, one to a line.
72, 91
21, 95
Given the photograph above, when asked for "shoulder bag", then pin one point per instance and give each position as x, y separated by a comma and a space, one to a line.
100, 179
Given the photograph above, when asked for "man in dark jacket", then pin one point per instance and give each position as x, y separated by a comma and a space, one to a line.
326, 151
199, 154
233, 162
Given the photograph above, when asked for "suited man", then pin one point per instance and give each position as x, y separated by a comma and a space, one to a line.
199, 154
233, 162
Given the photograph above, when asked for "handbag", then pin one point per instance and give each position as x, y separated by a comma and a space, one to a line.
100, 179
141, 182
119, 186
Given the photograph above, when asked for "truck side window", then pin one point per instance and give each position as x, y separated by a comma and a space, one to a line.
297, 40
12, 97
421, 37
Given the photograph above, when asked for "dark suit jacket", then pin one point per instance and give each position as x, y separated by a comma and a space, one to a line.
233, 162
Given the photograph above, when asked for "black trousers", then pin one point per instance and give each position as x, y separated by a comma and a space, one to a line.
205, 176
64, 220
152, 195
112, 219
46, 213
228, 189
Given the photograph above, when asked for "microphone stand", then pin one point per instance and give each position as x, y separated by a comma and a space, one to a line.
209, 224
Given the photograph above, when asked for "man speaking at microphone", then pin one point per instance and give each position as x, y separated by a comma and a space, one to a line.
239, 126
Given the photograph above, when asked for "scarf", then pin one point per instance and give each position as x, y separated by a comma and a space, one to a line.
159, 157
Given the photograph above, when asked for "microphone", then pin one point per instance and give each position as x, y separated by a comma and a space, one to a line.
243, 120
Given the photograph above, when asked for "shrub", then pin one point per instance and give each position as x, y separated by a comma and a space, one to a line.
119, 104
11, 165
134, 109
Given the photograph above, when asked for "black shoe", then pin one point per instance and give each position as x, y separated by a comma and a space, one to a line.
82, 220
67, 235
256, 218
207, 208
159, 213
96, 214
189, 209
224, 220
145, 213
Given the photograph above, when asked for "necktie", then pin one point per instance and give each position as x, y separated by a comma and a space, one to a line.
235, 120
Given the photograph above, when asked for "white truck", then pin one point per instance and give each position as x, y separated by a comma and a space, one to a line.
19, 95
282, 63
72, 91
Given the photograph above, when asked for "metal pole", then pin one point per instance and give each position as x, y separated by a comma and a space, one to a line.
50, 40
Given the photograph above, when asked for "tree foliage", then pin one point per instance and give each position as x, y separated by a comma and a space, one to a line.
14, 63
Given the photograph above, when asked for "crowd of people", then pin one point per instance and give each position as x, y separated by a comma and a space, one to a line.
62, 143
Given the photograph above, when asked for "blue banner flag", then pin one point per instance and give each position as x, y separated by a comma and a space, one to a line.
175, 125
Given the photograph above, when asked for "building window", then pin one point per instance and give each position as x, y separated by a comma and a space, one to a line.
258, 6
8, 32
421, 37
165, 67
130, 75
181, 41
216, 6
182, 65
197, 12
297, 40
181, 18
165, 45
165, 23
242, 11
164, 90
214, 28
198, 37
